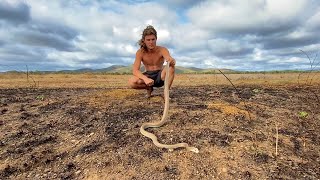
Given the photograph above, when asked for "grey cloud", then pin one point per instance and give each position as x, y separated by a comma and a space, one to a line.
228, 49
35, 33
229, 17
285, 52
42, 39
283, 41
135, 1
231, 30
228, 54
182, 4
14, 14
37, 66
18, 53
258, 29
18, 57
52, 28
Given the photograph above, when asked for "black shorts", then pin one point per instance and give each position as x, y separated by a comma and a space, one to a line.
156, 76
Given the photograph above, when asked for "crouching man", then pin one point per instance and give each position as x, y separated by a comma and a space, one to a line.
152, 57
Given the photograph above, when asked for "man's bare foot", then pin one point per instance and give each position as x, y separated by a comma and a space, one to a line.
149, 92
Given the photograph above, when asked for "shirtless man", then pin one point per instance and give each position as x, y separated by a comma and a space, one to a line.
152, 57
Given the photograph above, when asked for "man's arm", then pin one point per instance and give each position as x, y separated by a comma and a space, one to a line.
166, 55
136, 69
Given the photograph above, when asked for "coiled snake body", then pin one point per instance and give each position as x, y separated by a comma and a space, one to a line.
163, 120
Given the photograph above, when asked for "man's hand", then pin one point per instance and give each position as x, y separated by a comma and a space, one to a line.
171, 61
148, 81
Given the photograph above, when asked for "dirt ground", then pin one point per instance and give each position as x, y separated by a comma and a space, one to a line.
260, 132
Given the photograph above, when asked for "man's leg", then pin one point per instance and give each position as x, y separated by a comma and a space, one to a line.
171, 75
137, 83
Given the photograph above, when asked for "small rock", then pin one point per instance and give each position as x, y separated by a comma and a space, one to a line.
224, 170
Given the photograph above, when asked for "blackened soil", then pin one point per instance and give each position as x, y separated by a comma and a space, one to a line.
94, 134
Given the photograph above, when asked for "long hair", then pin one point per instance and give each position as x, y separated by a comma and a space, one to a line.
149, 30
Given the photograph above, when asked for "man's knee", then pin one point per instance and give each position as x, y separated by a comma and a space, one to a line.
134, 82
130, 83
172, 70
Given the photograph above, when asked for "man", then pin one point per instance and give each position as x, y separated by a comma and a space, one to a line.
152, 57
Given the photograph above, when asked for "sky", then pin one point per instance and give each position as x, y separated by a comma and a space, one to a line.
249, 35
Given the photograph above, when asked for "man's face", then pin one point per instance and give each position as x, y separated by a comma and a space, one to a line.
150, 41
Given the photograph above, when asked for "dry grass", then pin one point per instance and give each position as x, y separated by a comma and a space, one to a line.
63, 80
229, 109
120, 81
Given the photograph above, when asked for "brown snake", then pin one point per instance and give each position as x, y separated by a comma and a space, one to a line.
163, 120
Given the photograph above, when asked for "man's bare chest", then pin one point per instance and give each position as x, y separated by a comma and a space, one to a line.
152, 58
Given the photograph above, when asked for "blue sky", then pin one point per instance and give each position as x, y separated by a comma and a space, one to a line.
254, 35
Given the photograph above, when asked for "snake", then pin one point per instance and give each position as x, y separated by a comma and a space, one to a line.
154, 138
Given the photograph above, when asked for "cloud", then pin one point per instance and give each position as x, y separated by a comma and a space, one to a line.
14, 13
294, 39
243, 17
34, 38
182, 4
312, 24
228, 48
242, 35
188, 38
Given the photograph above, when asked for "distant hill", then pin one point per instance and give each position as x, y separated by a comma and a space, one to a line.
179, 70
112, 68
120, 69
85, 70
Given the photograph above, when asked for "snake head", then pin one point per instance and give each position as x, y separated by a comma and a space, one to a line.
193, 149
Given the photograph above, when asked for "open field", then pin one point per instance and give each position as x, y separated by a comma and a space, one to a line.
88, 80
86, 126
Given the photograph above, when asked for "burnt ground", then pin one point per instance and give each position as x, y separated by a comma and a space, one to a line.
94, 133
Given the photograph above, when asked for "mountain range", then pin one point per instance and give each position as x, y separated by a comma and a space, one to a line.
120, 69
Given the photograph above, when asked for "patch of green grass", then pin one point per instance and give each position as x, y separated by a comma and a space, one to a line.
303, 114
40, 97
